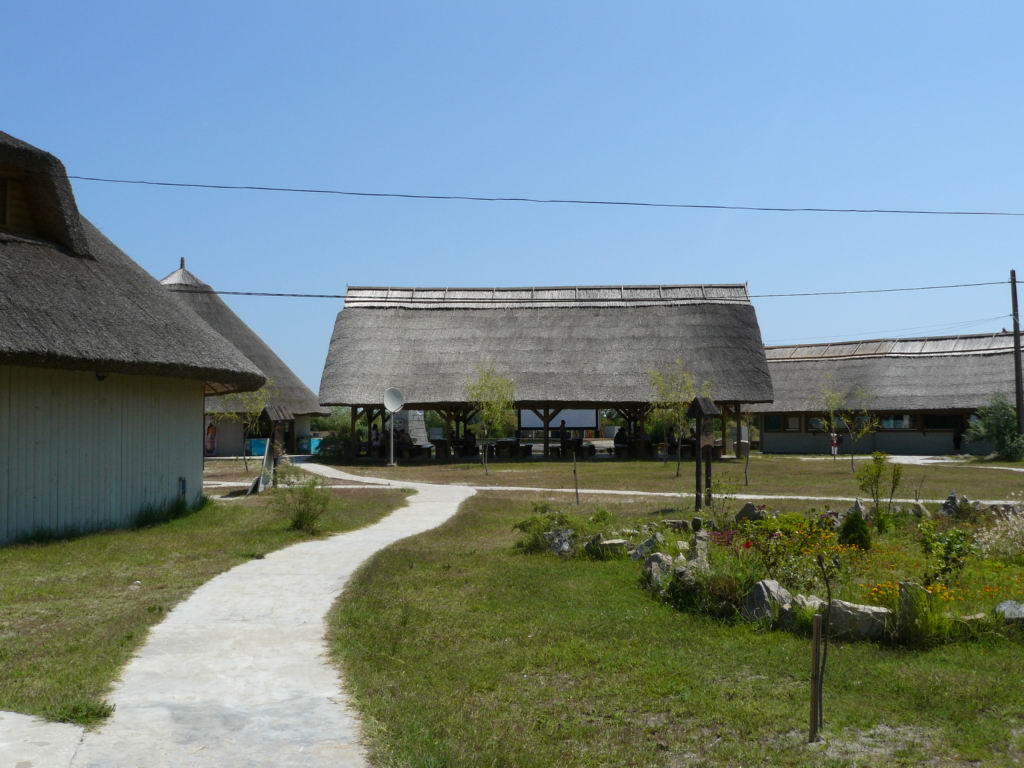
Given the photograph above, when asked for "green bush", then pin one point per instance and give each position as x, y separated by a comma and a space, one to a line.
946, 553
854, 531
997, 423
544, 518
300, 497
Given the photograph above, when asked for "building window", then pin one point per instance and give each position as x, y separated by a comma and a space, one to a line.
793, 423
772, 422
816, 424
895, 421
939, 420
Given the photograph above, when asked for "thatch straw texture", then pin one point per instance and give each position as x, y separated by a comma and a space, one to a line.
287, 396
934, 373
574, 347
69, 298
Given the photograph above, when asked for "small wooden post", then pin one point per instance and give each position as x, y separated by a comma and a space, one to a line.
575, 477
815, 720
546, 418
707, 476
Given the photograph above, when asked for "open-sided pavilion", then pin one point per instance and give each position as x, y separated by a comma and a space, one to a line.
563, 347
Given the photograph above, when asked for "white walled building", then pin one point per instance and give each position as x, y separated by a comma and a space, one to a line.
102, 378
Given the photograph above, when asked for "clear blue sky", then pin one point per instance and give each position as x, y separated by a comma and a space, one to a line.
872, 104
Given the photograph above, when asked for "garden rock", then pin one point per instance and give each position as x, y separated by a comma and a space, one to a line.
658, 569
678, 525
920, 510
1011, 610
849, 621
648, 546
696, 524
561, 541
700, 549
749, 512
764, 600
787, 614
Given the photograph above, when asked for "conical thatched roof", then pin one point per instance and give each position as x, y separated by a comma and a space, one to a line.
574, 347
287, 396
931, 373
70, 298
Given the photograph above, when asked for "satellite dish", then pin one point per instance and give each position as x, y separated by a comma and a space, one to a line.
393, 399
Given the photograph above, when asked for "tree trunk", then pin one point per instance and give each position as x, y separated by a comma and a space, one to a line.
679, 453
245, 455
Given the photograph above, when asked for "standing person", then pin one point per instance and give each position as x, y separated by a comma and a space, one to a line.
563, 438
211, 439
375, 442
833, 438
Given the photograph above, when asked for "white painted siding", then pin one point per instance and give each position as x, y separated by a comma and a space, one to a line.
77, 453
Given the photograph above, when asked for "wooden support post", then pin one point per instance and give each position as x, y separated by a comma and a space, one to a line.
698, 452
739, 429
815, 719
725, 429
1018, 377
354, 437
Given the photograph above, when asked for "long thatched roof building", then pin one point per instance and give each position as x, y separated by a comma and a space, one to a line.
102, 376
569, 347
923, 390
287, 398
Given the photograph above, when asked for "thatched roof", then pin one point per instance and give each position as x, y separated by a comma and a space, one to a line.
287, 396
934, 373
572, 347
69, 298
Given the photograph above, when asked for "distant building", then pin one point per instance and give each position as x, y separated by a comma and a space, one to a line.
579, 348
923, 391
102, 378
290, 403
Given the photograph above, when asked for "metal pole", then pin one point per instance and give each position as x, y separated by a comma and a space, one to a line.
1018, 380
392, 419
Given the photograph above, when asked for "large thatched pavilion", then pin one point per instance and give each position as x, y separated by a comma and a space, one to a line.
575, 347
290, 404
102, 378
922, 391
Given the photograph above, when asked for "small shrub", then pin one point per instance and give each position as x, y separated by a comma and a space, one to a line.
946, 552
1003, 539
854, 531
544, 518
300, 497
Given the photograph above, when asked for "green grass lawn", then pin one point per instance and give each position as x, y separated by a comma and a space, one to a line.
769, 474
462, 652
71, 612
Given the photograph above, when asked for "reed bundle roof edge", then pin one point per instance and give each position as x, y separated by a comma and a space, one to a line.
71, 299
587, 346
287, 396
925, 373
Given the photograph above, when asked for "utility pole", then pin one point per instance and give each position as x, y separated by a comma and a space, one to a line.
1018, 384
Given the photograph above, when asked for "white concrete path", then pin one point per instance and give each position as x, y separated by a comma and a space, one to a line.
237, 674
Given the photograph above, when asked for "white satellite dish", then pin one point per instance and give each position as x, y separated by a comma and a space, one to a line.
393, 399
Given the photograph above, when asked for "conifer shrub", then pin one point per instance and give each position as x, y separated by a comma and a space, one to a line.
854, 531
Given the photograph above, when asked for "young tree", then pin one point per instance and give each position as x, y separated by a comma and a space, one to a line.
674, 389
247, 410
493, 396
849, 410
997, 423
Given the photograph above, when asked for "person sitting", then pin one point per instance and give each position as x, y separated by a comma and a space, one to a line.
469, 443
621, 442
403, 444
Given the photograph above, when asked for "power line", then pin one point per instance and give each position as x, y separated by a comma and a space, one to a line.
534, 301
558, 201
